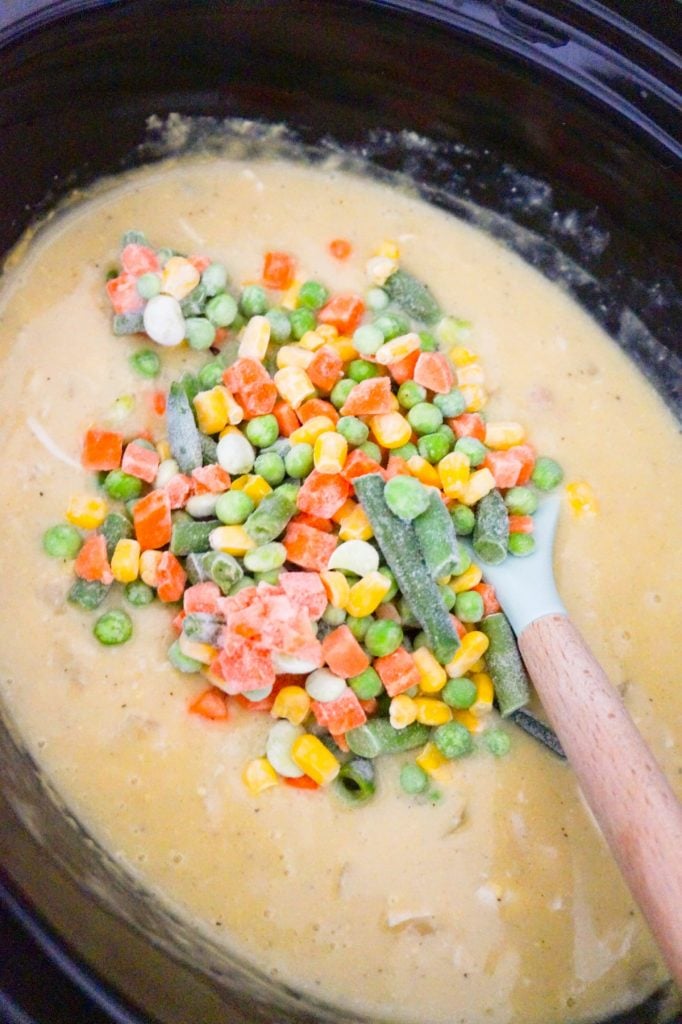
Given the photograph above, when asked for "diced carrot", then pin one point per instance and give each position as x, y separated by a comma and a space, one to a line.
179, 488
326, 368
370, 397
257, 399
395, 467
370, 706
323, 493
170, 578
156, 400
521, 524
397, 671
152, 520
403, 369
210, 479
459, 626
211, 704
177, 621
341, 741
340, 248
316, 407
343, 653
221, 334
305, 590
243, 373
199, 262
92, 562
140, 461
201, 597
307, 547
490, 602
242, 666
469, 424
279, 269
317, 522
526, 453
433, 370
123, 294
286, 417
343, 312
304, 782
139, 259
359, 463
102, 449
505, 467
340, 715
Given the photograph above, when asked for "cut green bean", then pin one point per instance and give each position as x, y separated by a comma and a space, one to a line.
491, 532
203, 628
183, 436
189, 536
512, 686
437, 539
222, 569
413, 297
377, 736
355, 781
87, 593
270, 518
115, 527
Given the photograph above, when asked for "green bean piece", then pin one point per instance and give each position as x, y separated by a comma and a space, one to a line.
114, 627
243, 584
146, 363
407, 616
413, 297
190, 535
400, 548
87, 593
62, 541
203, 628
459, 693
491, 532
115, 527
437, 539
355, 781
127, 323
180, 661
512, 686
183, 436
270, 518
449, 597
413, 779
533, 727
393, 589
194, 304
209, 450
222, 569
377, 736
271, 576
367, 684
138, 593
122, 486
453, 740
497, 741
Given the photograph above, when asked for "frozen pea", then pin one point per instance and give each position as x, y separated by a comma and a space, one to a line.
359, 626
448, 595
362, 369
406, 497
547, 474
453, 740
427, 342
413, 779
425, 418
298, 461
383, 637
270, 466
280, 325
372, 450
463, 519
452, 404
200, 332
334, 616
312, 295
271, 577
114, 627
265, 558
302, 320
459, 693
469, 606
521, 501
392, 324
138, 593
253, 301
62, 541
234, 507
410, 394
221, 310
376, 299
474, 450
122, 486
145, 362
148, 285
341, 391
214, 278
262, 430
433, 447
393, 588
181, 662
353, 429
366, 685
210, 374
406, 451
497, 741
521, 544
368, 339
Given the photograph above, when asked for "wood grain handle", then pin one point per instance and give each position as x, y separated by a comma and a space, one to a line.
635, 806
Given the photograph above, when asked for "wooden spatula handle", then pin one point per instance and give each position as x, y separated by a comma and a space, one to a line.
635, 806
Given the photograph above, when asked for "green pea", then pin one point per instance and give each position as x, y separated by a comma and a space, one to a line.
312, 295
145, 362
452, 404
200, 332
361, 369
453, 740
433, 447
234, 507
521, 501
62, 541
368, 339
221, 310
521, 544
262, 430
138, 593
372, 450
393, 588
253, 301
265, 558
448, 595
359, 627
148, 285
425, 418
474, 450
298, 461
334, 616
302, 320
341, 391
383, 637
463, 519
445, 431
469, 606
547, 474
122, 486
353, 429
410, 394
114, 627
459, 693
497, 741
180, 661
413, 779
406, 451
376, 299
211, 374
406, 497
366, 685
280, 325
214, 278
427, 342
270, 466
87, 593
392, 324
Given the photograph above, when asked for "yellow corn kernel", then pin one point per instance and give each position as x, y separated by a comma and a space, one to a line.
345, 350
454, 471
255, 339
294, 355
356, 525
294, 385
229, 429
435, 764
475, 396
327, 331
398, 348
390, 429
309, 431
232, 539
211, 409
478, 666
292, 703
255, 486
485, 692
235, 413
86, 510
461, 356
348, 506
423, 470
179, 277
402, 711
469, 720
330, 452
337, 587
313, 758
311, 340
204, 653
470, 578
432, 712
503, 435
290, 297
481, 482
125, 561
367, 594
388, 248
149, 565
470, 373
582, 499
472, 647
432, 676
259, 775
164, 450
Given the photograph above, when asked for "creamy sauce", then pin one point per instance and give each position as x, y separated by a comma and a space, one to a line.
501, 903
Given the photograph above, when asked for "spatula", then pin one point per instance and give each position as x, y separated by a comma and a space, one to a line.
638, 813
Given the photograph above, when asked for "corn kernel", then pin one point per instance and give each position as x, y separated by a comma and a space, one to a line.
311, 340
292, 703
390, 429
179, 277
432, 676
86, 510
485, 692
229, 429
327, 331
204, 653
125, 561
424, 471
367, 594
294, 355
470, 578
255, 486
470, 373
398, 348
468, 719
402, 711
348, 506
475, 396
255, 339
232, 539
472, 647
503, 435
345, 350
309, 431
149, 565
329, 453
259, 775
435, 764
481, 482
480, 665
211, 409
461, 356
294, 385
380, 268
389, 248
290, 297
164, 450
336, 586
582, 499
313, 758
356, 525
432, 712
454, 471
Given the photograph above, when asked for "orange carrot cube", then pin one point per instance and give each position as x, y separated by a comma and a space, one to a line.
322, 494
170, 578
279, 269
343, 653
344, 312
152, 520
397, 671
433, 370
326, 368
140, 461
92, 562
307, 547
211, 704
370, 397
340, 715
102, 449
